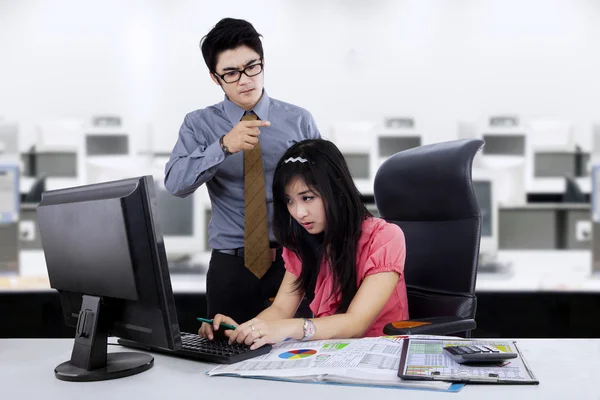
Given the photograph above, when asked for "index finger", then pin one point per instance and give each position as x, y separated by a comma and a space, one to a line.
257, 123
222, 319
206, 331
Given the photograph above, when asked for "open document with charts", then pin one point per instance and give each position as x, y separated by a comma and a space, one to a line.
425, 359
363, 362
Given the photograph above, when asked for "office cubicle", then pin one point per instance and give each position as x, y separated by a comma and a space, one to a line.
9, 218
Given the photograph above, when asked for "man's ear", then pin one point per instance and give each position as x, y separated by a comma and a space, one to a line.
214, 78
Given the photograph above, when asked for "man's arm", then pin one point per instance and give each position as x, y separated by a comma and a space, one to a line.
193, 160
310, 130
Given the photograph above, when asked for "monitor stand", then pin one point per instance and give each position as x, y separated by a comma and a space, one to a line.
89, 359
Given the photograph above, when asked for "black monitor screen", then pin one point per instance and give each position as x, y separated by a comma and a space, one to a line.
358, 163
106, 257
390, 145
483, 192
504, 145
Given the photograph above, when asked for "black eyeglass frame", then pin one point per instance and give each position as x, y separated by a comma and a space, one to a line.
240, 72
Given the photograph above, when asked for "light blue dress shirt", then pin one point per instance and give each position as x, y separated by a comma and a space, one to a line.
197, 159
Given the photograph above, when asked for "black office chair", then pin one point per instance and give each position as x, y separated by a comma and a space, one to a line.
428, 192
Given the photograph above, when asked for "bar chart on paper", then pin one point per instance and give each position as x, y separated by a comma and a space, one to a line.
334, 346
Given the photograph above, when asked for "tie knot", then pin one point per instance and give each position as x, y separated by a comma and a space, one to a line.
249, 116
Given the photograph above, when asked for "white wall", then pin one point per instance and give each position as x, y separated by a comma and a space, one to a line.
439, 61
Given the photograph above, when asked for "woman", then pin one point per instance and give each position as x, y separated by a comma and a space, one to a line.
349, 264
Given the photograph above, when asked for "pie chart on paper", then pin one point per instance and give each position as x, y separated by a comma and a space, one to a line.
296, 354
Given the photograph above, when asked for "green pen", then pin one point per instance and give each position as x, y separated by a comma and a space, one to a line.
223, 324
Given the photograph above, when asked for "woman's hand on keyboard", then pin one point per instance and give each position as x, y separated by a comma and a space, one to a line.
256, 332
208, 330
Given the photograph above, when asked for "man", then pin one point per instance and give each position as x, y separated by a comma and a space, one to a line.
214, 147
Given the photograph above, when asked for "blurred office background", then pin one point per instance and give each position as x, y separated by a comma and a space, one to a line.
94, 91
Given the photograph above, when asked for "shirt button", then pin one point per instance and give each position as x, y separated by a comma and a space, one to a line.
216, 158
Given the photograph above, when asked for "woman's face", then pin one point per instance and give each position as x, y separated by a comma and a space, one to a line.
305, 206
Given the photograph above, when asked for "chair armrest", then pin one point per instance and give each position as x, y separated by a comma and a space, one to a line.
430, 326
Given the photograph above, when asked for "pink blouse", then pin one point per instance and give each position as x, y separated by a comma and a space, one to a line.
381, 248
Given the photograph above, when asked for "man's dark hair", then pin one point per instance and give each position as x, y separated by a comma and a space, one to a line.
229, 34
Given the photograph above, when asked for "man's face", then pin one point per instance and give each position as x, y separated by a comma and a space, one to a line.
246, 92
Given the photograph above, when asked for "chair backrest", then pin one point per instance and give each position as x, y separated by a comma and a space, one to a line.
428, 192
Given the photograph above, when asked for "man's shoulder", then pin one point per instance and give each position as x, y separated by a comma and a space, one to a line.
282, 106
202, 114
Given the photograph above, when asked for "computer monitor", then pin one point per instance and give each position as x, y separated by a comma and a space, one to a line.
358, 164
483, 192
355, 141
485, 184
182, 220
390, 145
504, 145
175, 214
106, 145
9, 218
61, 164
105, 256
9, 193
558, 164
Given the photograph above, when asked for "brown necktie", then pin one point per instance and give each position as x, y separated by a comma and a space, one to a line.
257, 254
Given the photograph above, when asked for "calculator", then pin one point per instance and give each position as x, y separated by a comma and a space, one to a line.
477, 354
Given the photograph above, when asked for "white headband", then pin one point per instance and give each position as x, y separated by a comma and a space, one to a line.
296, 159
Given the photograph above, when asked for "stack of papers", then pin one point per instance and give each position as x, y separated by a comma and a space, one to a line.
424, 359
363, 362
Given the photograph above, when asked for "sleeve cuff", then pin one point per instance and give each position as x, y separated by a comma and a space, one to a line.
213, 154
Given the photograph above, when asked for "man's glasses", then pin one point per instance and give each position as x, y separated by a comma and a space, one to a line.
234, 76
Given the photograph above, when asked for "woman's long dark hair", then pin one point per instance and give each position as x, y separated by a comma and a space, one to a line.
326, 173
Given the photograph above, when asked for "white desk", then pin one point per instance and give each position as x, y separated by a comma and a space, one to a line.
27, 372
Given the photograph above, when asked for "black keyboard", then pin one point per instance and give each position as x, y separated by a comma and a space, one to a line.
196, 348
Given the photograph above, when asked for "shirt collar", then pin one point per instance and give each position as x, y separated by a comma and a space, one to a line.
235, 112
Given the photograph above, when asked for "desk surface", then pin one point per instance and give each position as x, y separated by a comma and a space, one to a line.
27, 371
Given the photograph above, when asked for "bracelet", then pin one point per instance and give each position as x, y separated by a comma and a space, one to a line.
309, 329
